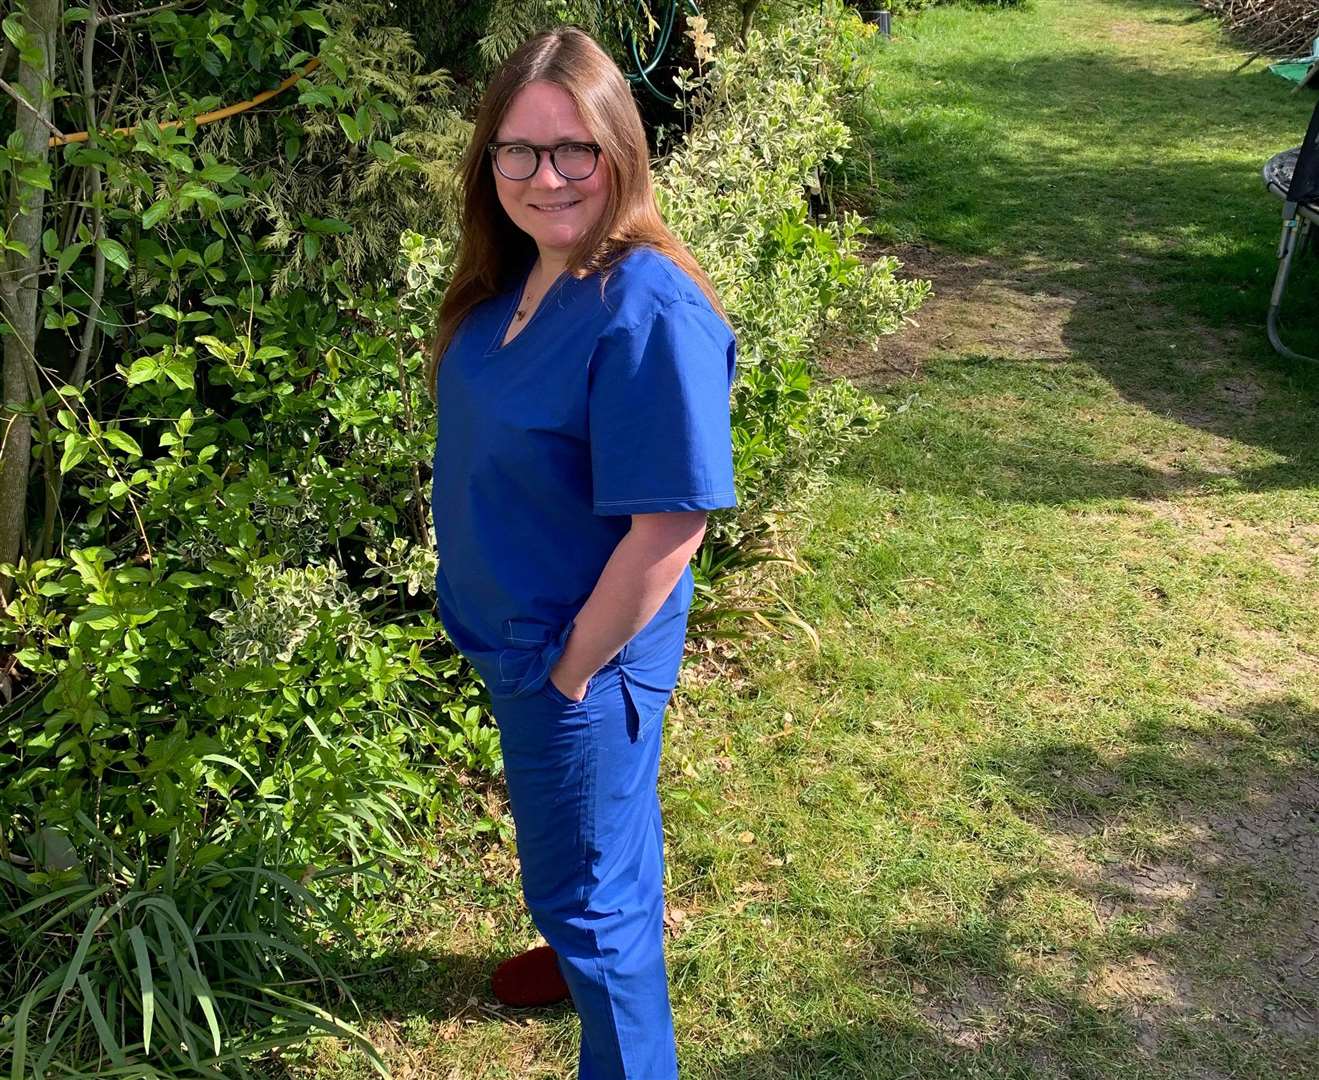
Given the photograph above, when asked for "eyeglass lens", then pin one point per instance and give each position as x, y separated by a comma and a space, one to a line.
573, 161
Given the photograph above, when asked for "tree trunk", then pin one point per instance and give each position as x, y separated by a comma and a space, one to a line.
18, 284
748, 13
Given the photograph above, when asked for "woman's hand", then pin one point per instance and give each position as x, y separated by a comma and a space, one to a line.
638, 577
576, 693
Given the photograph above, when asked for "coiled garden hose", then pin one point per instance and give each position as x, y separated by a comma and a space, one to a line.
642, 73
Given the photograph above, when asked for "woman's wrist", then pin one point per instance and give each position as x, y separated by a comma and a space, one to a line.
569, 673
639, 576
570, 687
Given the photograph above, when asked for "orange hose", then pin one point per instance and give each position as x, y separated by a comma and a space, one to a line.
204, 118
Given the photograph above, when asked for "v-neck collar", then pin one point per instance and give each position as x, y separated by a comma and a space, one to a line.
499, 345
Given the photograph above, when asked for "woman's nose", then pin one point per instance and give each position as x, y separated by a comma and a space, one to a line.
545, 176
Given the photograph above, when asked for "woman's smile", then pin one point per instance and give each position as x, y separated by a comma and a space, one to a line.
554, 208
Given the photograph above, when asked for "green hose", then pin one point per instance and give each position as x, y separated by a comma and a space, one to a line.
642, 73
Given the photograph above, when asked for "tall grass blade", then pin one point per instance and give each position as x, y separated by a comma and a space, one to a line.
68, 910
202, 992
103, 1032
145, 982
75, 964
17, 914
21, 1019
52, 1045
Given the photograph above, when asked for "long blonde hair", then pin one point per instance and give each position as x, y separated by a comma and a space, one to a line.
492, 248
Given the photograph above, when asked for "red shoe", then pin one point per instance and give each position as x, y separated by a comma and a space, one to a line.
530, 978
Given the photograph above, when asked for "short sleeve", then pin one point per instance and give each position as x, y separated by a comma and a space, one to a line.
658, 413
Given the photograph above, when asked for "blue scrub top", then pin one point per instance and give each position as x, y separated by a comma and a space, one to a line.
600, 407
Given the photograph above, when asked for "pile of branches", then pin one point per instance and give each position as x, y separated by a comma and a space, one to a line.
1283, 28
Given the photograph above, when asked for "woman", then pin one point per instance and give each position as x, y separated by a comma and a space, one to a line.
582, 368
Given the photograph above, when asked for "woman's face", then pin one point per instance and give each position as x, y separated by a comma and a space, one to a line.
555, 212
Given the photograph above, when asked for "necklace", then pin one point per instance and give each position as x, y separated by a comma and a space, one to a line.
525, 304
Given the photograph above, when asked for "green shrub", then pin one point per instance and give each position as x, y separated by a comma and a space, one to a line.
737, 191
232, 690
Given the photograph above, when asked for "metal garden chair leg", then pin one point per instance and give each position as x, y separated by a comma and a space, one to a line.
1293, 175
1294, 234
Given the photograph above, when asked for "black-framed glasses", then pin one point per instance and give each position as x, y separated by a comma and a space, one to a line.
519, 160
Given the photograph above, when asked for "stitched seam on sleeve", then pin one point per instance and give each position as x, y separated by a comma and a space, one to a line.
669, 498
670, 303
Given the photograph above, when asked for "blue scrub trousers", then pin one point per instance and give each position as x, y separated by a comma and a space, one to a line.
583, 788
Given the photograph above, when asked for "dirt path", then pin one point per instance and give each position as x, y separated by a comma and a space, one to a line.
979, 306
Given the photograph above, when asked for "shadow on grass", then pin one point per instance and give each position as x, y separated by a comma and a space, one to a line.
1164, 762
1237, 390
1062, 154
1187, 958
906, 1050
435, 983
1050, 465
1175, 12
1122, 190
982, 1024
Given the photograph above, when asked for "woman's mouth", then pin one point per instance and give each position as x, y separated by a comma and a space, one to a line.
554, 208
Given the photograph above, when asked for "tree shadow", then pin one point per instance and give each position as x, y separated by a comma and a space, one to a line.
436, 983
1175, 12
1194, 963
1219, 383
1157, 268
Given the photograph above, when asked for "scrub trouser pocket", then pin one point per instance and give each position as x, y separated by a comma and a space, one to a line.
583, 790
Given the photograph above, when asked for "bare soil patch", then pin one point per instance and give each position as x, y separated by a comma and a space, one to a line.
967, 1017
1290, 547
977, 306
1237, 895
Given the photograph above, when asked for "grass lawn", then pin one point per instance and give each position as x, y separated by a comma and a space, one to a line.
1045, 803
